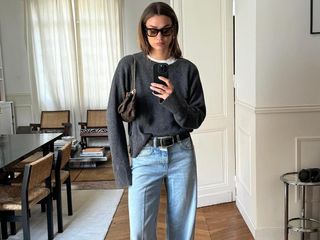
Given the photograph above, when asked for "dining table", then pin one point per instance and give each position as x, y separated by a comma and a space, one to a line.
16, 147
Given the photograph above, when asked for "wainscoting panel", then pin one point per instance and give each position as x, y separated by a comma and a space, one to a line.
23, 113
307, 150
23, 108
287, 139
245, 163
213, 178
244, 159
215, 151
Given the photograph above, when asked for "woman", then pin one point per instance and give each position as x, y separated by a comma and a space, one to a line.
161, 148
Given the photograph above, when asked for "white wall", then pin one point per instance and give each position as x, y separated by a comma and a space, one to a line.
288, 66
277, 124
245, 62
14, 46
15, 60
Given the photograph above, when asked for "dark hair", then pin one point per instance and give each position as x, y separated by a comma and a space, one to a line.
159, 8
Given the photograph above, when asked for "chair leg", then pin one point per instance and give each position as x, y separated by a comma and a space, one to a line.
69, 196
25, 224
13, 229
4, 229
43, 206
49, 217
57, 191
82, 143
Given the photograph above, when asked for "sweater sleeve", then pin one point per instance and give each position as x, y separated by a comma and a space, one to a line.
117, 136
188, 112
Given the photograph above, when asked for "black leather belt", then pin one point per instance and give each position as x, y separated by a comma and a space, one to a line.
167, 141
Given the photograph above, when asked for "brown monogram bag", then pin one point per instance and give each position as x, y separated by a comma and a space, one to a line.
127, 108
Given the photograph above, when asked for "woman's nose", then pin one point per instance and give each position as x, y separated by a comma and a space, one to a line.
159, 35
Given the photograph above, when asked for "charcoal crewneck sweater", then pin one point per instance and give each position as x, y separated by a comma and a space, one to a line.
183, 111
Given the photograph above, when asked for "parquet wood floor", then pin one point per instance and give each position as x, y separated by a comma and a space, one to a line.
218, 222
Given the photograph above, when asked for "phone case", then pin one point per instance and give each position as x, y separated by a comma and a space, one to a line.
160, 69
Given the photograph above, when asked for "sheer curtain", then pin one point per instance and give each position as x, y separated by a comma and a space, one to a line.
74, 47
99, 41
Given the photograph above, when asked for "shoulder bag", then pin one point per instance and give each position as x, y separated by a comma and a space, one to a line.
127, 108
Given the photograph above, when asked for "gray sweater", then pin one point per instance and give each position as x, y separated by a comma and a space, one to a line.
183, 111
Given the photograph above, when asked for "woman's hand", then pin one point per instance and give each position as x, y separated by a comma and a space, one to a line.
161, 90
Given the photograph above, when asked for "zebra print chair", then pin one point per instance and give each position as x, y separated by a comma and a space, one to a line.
96, 126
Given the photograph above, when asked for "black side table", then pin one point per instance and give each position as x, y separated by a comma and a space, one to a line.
301, 224
78, 161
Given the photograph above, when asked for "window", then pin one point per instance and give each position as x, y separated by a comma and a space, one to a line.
74, 47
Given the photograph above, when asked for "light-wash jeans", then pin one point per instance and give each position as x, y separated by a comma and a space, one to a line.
176, 167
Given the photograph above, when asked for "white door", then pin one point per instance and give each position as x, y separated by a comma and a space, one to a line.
206, 39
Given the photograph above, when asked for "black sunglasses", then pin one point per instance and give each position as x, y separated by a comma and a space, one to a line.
153, 32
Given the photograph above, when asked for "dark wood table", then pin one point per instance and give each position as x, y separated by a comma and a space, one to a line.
14, 148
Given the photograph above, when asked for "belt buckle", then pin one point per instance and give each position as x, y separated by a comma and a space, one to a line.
163, 141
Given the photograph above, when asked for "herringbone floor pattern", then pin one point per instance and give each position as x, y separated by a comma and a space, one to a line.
218, 222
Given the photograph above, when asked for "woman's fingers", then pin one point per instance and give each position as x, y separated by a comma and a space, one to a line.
162, 90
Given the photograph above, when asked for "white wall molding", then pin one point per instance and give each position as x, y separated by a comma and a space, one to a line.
279, 109
19, 95
288, 109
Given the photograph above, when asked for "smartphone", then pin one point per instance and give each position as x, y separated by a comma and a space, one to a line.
160, 69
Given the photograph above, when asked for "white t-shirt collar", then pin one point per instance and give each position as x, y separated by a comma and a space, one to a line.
167, 61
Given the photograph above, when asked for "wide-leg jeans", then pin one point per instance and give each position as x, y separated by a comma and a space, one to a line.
176, 167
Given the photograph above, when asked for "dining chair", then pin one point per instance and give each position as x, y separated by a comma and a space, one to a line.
24, 196
19, 167
53, 121
15, 172
61, 175
95, 126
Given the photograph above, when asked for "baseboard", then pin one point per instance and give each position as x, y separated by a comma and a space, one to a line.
267, 233
212, 199
246, 218
270, 234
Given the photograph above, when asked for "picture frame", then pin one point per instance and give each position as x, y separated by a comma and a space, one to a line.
315, 16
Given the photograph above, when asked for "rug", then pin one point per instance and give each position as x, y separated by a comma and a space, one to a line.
95, 174
103, 172
93, 211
